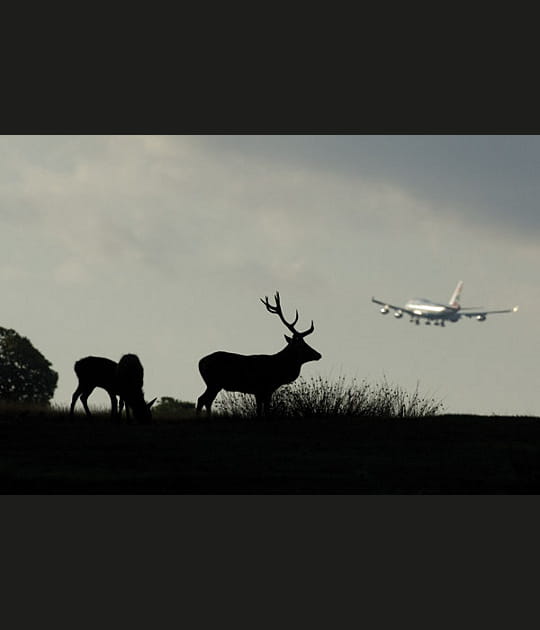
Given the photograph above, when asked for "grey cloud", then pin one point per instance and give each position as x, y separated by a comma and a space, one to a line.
483, 178
60, 154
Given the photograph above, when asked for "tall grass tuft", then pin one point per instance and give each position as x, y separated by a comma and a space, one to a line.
319, 397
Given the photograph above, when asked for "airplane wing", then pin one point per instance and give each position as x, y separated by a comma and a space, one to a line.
395, 308
484, 313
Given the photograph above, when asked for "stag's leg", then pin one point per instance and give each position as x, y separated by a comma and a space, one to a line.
200, 404
259, 401
206, 399
120, 407
263, 404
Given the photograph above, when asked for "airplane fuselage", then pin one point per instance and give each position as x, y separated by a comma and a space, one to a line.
432, 310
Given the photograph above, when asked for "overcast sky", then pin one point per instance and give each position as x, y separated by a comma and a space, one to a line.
163, 245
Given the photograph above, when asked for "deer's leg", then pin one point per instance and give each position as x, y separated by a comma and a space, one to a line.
263, 403
206, 399
120, 407
114, 409
84, 399
259, 401
74, 399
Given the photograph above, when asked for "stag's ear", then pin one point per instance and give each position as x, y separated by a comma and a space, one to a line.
288, 339
151, 403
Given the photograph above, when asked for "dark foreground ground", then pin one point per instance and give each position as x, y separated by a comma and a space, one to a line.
47, 454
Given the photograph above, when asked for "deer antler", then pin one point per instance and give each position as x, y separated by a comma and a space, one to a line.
277, 310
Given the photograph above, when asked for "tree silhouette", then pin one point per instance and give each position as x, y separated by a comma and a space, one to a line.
25, 374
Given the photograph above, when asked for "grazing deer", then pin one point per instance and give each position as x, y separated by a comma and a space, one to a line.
95, 372
129, 383
257, 374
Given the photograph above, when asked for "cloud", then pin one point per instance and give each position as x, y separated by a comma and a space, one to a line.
194, 208
482, 179
285, 207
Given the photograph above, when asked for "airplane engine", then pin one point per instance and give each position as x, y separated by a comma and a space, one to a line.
384, 310
398, 314
481, 318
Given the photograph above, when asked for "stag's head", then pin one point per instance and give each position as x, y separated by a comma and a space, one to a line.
302, 351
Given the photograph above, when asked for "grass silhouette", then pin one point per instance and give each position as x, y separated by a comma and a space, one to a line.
342, 397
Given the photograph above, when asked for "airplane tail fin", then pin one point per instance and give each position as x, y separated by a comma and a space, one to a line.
454, 299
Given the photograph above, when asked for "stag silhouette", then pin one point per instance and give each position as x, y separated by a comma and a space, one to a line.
257, 374
123, 379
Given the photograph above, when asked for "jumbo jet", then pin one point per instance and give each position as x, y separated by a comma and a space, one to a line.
419, 308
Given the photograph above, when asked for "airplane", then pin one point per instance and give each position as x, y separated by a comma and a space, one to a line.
418, 308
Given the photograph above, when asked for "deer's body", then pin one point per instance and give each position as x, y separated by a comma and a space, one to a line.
257, 374
95, 372
249, 374
123, 379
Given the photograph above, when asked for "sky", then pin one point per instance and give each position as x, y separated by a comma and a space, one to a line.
163, 245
